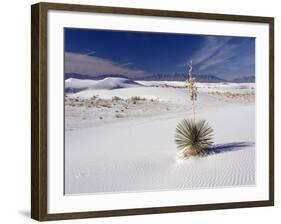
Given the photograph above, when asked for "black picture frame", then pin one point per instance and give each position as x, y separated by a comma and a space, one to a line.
39, 108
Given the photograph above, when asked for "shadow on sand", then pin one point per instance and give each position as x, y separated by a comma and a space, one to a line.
229, 147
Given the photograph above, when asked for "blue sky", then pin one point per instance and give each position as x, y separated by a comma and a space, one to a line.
137, 54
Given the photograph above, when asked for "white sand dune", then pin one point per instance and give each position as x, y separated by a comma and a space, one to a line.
76, 85
138, 153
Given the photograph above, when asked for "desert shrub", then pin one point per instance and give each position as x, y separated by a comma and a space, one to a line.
119, 115
193, 138
93, 98
115, 98
136, 98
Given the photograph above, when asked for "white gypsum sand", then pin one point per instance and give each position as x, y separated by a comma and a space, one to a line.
120, 138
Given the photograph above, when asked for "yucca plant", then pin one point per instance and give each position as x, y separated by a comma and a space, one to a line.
193, 138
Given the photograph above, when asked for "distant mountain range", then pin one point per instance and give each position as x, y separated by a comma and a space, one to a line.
165, 77
182, 77
245, 79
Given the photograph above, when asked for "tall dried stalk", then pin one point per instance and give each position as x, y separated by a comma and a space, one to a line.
192, 88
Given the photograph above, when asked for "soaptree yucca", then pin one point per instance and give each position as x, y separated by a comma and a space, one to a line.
193, 138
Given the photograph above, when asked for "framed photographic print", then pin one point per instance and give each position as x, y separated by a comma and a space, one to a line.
138, 111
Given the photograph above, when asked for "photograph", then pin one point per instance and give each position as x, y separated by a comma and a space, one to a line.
151, 111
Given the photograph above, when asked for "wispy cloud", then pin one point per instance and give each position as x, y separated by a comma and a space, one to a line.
89, 52
88, 64
209, 48
224, 57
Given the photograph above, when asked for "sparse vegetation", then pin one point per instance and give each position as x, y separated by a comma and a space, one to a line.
100, 110
97, 102
168, 86
115, 98
135, 99
234, 96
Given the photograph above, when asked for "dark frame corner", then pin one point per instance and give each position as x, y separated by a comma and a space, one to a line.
39, 120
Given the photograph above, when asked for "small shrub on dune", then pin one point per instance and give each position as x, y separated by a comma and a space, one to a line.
136, 98
115, 98
193, 138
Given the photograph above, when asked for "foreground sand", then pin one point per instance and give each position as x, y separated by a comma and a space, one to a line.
136, 152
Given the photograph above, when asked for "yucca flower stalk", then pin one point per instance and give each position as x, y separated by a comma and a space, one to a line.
192, 88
